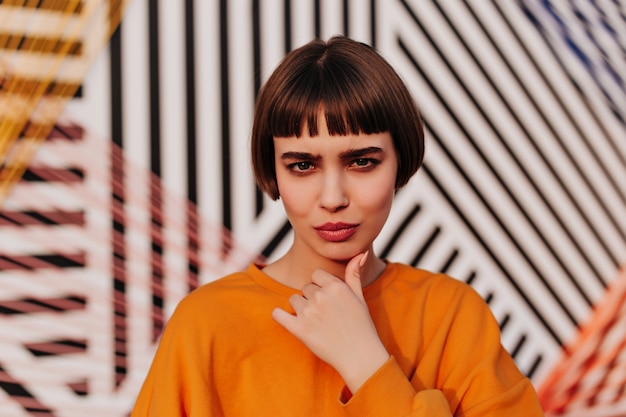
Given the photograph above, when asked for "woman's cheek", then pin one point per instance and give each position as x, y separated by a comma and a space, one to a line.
296, 196
378, 193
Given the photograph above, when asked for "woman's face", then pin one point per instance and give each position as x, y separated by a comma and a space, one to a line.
337, 190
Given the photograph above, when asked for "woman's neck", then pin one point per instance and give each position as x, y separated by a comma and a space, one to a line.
295, 270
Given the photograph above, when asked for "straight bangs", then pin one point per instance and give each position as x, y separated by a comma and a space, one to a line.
341, 94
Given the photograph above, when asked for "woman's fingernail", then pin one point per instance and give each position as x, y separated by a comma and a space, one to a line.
363, 259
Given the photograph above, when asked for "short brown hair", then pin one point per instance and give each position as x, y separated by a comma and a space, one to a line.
359, 93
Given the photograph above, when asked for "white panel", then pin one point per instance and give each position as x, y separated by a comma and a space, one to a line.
93, 109
359, 19
99, 262
172, 94
241, 99
173, 146
136, 142
387, 26
272, 36
208, 122
302, 23
135, 84
331, 19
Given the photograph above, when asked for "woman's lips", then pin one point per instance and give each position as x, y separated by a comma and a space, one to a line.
336, 232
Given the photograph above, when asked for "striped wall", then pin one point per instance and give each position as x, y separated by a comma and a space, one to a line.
144, 189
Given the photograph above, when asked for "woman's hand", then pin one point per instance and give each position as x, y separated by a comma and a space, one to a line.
333, 321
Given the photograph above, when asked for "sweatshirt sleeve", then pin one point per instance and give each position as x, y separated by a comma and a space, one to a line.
176, 384
478, 375
464, 371
389, 393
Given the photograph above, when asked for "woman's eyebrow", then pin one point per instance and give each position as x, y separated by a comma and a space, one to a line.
349, 154
361, 152
300, 156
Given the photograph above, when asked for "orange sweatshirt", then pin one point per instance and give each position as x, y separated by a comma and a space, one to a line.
222, 354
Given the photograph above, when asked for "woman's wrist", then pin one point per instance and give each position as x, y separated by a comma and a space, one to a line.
363, 365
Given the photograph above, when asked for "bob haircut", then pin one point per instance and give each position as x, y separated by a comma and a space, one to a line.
358, 92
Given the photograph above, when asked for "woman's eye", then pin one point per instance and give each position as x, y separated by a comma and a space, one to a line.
364, 162
300, 166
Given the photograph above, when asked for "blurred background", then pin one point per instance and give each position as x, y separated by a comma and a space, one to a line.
125, 179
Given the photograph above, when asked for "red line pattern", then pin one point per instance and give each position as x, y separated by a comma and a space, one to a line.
120, 307
590, 379
42, 305
66, 131
23, 397
31, 262
49, 174
156, 234
58, 347
46, 217
193, 246
88, 247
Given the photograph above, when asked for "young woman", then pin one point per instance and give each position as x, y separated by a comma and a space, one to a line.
330, 329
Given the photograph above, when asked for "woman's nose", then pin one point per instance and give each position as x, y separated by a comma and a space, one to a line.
333, 194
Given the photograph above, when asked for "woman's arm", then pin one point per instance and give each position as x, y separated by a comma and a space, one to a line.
474, 374
176, 384
332, 319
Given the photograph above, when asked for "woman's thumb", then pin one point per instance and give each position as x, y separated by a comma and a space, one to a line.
353, 274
